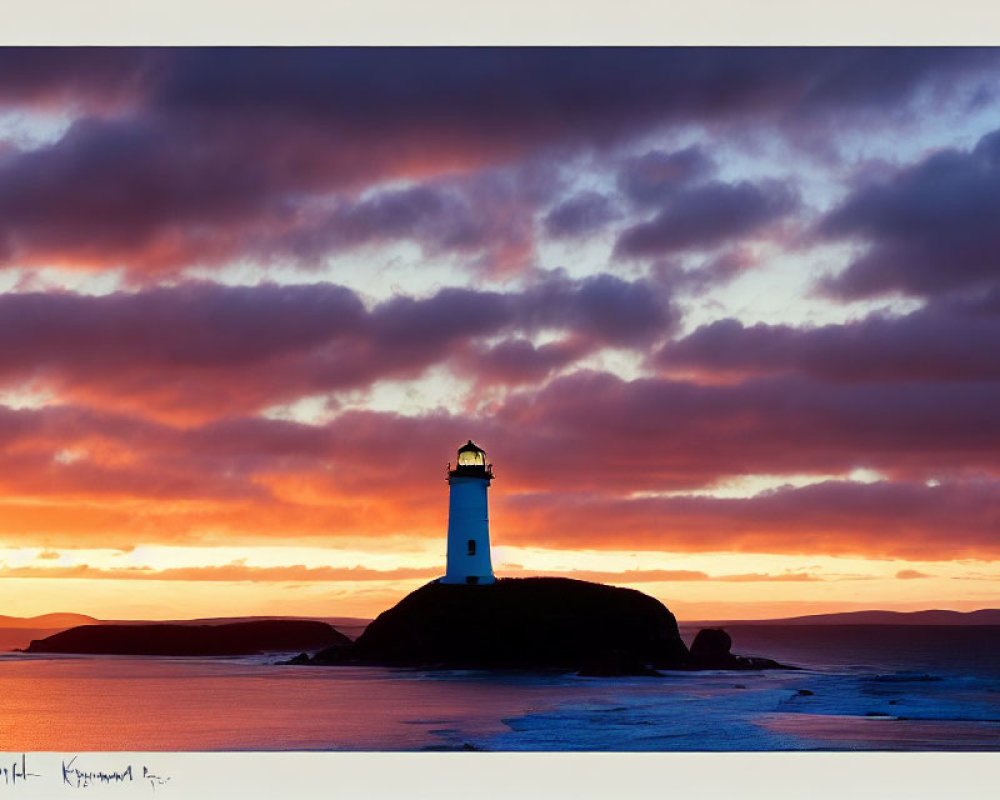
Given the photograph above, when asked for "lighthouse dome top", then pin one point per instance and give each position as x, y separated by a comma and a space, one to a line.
471, 455
471, 463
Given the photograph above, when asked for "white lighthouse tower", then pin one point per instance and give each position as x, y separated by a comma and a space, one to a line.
468, 518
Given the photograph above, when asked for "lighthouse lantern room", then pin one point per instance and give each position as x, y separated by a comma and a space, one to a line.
468, 518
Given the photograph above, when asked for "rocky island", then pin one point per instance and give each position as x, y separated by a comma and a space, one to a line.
533, 623
554, 624
231, 639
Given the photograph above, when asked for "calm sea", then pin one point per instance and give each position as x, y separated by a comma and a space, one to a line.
860, 688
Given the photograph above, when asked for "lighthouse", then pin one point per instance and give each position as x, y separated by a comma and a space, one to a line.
468, 518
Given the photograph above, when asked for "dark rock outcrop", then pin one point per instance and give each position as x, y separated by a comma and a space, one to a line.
521, 623
301, 658
711, 646
710, 650
239, 638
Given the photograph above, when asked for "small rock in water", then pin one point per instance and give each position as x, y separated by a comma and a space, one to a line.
711, 647
301, 658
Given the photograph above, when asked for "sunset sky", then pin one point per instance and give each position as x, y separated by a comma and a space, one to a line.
727, 323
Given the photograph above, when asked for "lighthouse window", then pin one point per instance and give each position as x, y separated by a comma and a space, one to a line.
472, 458
472, 547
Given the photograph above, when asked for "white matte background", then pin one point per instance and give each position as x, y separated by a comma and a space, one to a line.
507, 776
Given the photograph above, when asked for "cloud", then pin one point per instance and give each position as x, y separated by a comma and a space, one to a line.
647, 434
101, 76
911, 574
200, 350
118, 192
707, 216
715, 271
570, 458
486, 217
754, 577
141, 194
241, 572
885, 519
517, 361
235, 572
513, 94
195, 157
936, 343
929, 229
657, 176
582, 214
602, 305
669, 434
667, 576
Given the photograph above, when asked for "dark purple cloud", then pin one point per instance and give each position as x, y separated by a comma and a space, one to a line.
490, 214
721, 269
213, 349
926, 345
706, 216
582, 214
930, 229
114, 191
654, 433
513, 93
151, 196
884, 519
602, 306
581, 433
399, 215
214, 152
518, 361
85, 75
658, 175
192, 325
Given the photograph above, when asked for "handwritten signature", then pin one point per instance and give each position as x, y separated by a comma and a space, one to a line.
82, 778
17, 771
154, 780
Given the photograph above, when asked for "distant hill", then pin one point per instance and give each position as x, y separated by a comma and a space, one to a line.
57, 620
352, 627
17, 633
238, 638
985, 616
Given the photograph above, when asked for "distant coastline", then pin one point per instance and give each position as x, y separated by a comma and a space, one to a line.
237, 638
16, 633
985, 616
